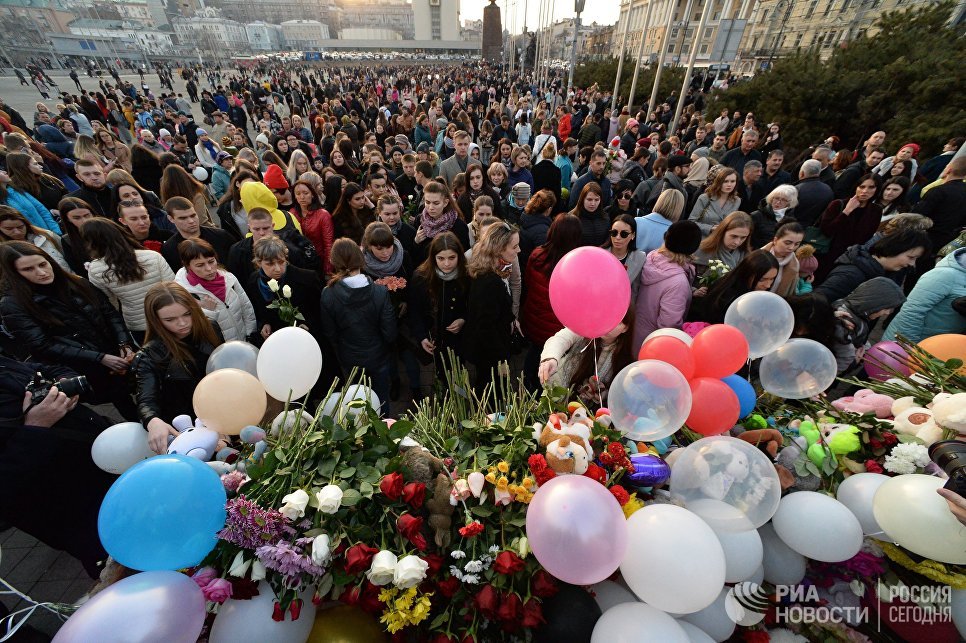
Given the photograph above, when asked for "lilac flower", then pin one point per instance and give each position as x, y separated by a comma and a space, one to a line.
290, 560
250, 526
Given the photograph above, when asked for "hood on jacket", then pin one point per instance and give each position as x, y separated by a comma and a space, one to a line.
657, 268
874, 295
257, 195
356, 297
862, 259
528, 221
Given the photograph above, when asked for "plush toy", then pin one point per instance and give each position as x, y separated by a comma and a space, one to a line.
440, 509
866, 401
567, 455
919, 422
719, 468
902, 404
950, 413
194, 441
285, 421
567, 441
768, 440
841, 439
421, 466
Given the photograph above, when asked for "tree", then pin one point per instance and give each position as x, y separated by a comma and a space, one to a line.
908, 79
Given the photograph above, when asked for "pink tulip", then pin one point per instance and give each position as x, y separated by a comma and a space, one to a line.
476, 480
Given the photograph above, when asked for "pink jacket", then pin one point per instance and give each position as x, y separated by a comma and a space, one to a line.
663, 298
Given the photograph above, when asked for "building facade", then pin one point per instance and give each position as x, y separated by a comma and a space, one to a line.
599, 43
305, 35
436, 19
395, 15
209, 31
561, 37
278, 11
264, 37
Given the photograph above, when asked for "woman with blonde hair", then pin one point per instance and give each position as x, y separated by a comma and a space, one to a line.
729, 243
112, 149
717, 202
298, 164
651, 228
85, 147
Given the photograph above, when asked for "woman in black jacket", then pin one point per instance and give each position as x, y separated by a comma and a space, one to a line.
546, 174
74, 212
61, 319
268, 283
177, 345
477, 185
490, 322
358, 318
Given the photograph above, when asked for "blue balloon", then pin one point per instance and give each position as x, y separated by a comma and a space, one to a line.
745, 392
164, 513
662, 445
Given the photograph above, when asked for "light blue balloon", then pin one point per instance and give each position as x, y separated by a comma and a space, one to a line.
164, 513
745, 392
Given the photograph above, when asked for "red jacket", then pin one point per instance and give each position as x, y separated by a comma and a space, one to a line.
564, 127
317, 228
537, 319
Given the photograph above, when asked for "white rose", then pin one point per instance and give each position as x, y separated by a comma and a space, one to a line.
320, 550
293, 505
524, 547
239, 565
258, 570
410, 571
287, 291
383, 568
273, 285
330, 498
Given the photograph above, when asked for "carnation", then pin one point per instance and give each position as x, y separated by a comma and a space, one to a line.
907, 458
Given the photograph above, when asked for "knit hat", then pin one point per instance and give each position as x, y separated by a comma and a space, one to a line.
631, 122
683, 238
146, 131
200, 132
262, 138
441, 122
221, 156
402, 141
807, 261
163, 132
395, 149
915, 149
423, 147
644, 142
678, 160
521, 192
701, 152
274, 178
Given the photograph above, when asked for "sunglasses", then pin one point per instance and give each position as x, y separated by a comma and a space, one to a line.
623, 234
624, 195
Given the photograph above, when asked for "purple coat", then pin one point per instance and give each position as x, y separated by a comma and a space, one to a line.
663, 298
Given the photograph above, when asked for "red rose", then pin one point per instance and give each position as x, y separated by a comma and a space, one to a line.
411, 529
508, 563
543, 584
358, 558
435, 562
472, 529
351, 595
532, 614
243, 588
621, 494
871, 466
596, 473
414, 493
510, 608
392, 485
278, 614
449, 586
369, 600
876, 443
486, 601
890, 439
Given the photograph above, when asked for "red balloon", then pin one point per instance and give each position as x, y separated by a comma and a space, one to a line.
714, 406
671, 350
719, 351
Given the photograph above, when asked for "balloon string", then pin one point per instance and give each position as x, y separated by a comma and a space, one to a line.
11, 620
593, 342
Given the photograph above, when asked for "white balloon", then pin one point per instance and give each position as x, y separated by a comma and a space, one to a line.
676, 333
781, 565
120, 447
649, 400
251, 620
743, 553
673, 560
758, 576
713, 620
289, 363
800, 369
234, 354
958, 605
765, 319
908, 508
608, 594
332, 408
695, 633
856, 492
200, 173
625, 623
818, 527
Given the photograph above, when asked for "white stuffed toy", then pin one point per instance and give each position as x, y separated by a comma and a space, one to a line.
950, 412
919, 422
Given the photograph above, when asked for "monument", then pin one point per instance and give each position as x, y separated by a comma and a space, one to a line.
492, 34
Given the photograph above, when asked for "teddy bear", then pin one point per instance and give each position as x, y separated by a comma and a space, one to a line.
440, 509
195, 440
866, 401
919, 422
768, 440
567, 442
950, 412
420, 465
718, 468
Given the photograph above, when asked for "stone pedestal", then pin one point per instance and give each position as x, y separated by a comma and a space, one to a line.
492, 33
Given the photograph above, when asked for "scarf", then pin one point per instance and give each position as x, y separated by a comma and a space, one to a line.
210, 146
216, 286
396, 227
781, 268
442, 223
263, 288
379, 269
447, 276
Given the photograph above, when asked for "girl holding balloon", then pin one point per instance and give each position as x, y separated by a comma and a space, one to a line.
177, 344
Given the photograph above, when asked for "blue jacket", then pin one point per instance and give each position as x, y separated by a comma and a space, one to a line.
423, 136
929, 309
650, 231
579, 184
566, 170
34, 210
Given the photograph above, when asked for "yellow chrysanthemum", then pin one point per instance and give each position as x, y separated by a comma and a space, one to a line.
490, 477
632, 505
502, 483
503, 466
528, 482
387, 594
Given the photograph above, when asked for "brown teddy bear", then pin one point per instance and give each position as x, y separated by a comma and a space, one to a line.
567, 444
440, 509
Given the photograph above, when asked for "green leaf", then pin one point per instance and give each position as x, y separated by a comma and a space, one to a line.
469, 424
327, 468
813, 469
366, 489
451, 443
483, 511
347, 473
339, 434
954, 364
281, 456
438, 621
351, 497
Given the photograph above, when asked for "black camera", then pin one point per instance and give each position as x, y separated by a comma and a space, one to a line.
950, 455
40, 386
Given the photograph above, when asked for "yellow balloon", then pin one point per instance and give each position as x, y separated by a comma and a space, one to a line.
947, 346
228, 400
346, 624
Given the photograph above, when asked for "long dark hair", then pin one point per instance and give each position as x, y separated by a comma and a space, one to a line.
427, 269
579, 208
21, 178
165, 294
627, 220
65, 206
814, 318
109, 241
623, 355
344, 215
564, 235
64, 287
737, 282
175, 181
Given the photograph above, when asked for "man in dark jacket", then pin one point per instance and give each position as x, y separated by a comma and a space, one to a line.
736, 158
181, 213
946, 205
849, 178
774, 175
94, 189
301, 252
813, 194
533, 229
678, 167
503, 130
589, 133
595, 173
750, 189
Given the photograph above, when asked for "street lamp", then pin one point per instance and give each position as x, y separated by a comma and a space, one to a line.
579, 8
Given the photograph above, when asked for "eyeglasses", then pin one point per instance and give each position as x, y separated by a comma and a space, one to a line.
625, 195
623, 234
132, 203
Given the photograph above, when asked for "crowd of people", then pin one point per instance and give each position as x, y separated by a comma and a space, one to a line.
410, 213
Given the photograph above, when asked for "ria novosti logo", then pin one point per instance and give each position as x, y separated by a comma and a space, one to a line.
746, 603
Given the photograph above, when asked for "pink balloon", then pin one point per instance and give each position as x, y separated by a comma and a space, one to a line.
576, 529
888, 354
590, 291
150, 606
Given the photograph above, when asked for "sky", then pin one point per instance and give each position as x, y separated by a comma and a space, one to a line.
604, 12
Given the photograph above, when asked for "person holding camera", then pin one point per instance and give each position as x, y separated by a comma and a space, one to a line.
42, 438
61, 319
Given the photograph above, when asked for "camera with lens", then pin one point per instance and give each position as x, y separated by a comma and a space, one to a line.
950, 455
40, 386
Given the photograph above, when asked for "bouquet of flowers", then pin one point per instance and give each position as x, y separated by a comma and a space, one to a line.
716, 270
287, 312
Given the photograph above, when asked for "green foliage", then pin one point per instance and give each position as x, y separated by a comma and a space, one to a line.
909, 79
603, 72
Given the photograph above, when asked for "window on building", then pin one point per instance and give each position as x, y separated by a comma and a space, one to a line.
754, 42
828, 7
764, 15
704, 48
811, 9
674, 32
708, 32
798, 40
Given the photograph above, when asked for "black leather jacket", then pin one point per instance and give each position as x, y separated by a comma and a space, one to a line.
164, 387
